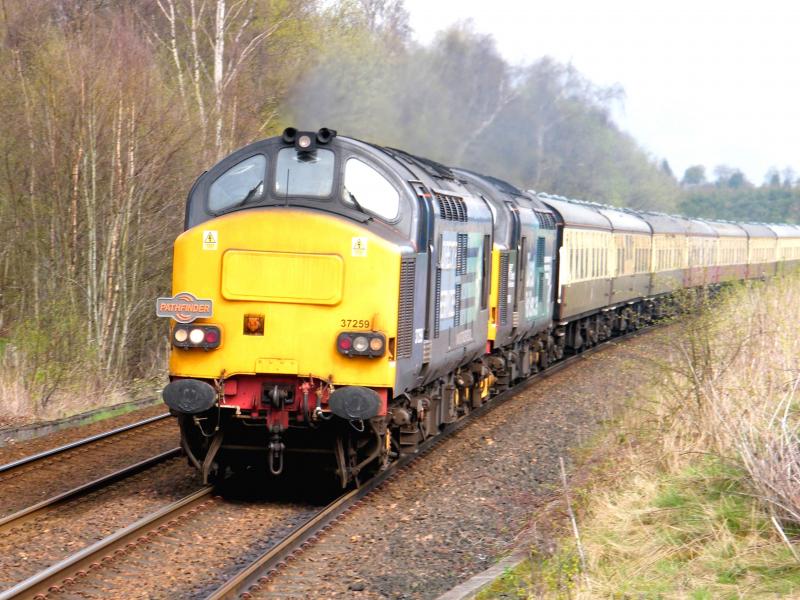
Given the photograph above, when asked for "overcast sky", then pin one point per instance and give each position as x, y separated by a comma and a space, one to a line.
707, 81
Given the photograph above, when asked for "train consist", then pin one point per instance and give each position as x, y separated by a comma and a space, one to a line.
337, 302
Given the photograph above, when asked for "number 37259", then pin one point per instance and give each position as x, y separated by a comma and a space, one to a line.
354, 323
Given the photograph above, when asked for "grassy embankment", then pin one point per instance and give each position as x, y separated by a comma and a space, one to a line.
41, 381
700, 494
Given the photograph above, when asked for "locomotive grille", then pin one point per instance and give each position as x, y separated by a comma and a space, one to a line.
437, 294
405, 315
461, 254
540, 264
502, 299
457, 315
452, 208
546, 220
540, 252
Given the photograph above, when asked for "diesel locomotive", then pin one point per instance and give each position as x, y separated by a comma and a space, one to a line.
338, 302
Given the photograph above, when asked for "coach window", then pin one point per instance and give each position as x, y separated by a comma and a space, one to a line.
365, 188
240, 184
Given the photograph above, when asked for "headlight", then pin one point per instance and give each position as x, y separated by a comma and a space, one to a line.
360, 344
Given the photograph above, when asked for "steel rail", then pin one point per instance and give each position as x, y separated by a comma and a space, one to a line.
82, 442
17, 518
92, 557
267, 564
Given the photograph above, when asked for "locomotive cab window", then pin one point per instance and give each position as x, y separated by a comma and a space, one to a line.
242, 183
365, 188
304, 173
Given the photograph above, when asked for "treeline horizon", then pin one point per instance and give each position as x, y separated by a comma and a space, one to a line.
109, 110
730, 196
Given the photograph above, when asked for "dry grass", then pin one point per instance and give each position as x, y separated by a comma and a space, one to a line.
731, 391
34, 387
704, 499
713, 504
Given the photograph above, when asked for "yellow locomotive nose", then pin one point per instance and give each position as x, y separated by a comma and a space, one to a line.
284, 283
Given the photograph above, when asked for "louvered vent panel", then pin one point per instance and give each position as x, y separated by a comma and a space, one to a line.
405, 315
452, 208
540, 283
461, 255
457, 315
437, 295
540, 252
546, 220
502, 299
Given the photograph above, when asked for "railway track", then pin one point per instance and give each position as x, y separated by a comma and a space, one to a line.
9, 469
80, 564
303, 525
33, 482
269, 564
32, 512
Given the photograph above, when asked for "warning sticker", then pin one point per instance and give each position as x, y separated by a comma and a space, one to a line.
359, 246
210, 239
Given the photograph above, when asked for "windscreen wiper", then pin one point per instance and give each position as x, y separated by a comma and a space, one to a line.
252, 193
355, 202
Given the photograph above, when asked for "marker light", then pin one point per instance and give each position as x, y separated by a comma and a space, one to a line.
206, 337
361, 343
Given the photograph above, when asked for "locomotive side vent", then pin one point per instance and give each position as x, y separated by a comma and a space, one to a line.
461, 254
405, 314
502, 299
546, 220
539, 252
452, 208
437, 303
457, 315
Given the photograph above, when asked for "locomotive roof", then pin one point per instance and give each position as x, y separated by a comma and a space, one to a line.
500, 184
431, 167
573, 214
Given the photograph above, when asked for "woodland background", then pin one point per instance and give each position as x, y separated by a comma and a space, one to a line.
109, 109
